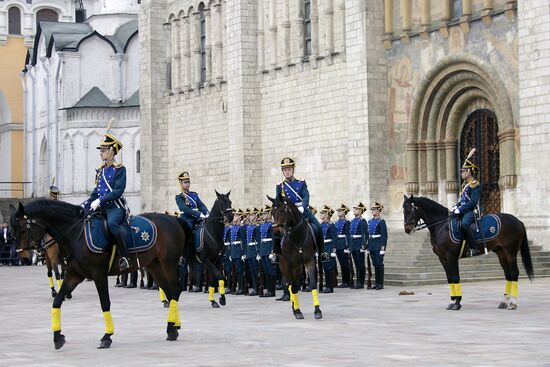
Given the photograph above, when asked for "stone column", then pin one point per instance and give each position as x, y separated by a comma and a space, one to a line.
412, 168
299, 36
466, 7
487, 4
176, 55
273, 32
431, 167
451, 183
218, 45
405, 15
168, 55
188, 71
285, 25
445, 11
425, 16
197, 47
388, 17
329, 27
342, 20
314, 30
260, 32
208, 44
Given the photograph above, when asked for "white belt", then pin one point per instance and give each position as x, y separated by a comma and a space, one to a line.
327, 241
227, 243
356, 236
267, 240
341, 236
376, 236
252, 243
236, 242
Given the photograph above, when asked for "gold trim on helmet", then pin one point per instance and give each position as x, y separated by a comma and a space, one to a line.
266, 209
343, 208
312, 209
287, 162
54, 191
327, 210
360, 206
110, 141
377, 205
184, 176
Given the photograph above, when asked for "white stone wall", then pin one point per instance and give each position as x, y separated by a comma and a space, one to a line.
534, 110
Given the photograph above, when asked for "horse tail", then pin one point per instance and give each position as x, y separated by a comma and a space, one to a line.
526, 255
189, 251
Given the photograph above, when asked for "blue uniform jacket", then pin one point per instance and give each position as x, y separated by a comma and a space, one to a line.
358, 232
115, 175
226, 242
470, 196
378, 234
237, 235
342, 233
191, 207
265, 238
329, 236
296, 191
251, 241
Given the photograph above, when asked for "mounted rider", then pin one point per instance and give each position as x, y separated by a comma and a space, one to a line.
469, 200
190, 205
54, 192
297, 192
108, 194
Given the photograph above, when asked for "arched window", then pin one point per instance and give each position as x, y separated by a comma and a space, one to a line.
138, 161
202, 17
14, 22
46, 15
456, 9
307, 27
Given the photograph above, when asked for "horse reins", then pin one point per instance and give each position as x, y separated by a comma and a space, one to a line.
424, 225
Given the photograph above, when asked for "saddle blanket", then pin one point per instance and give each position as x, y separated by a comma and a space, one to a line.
143, 235
489, 224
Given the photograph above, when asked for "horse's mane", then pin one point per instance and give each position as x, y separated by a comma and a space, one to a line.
431, 206
53, 208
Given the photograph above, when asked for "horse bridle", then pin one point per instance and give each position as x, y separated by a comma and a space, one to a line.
287, 230
420, 226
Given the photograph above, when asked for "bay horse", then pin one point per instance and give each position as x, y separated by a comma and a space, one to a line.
506, 244
212, 246
298, 249
53, 263
64, 222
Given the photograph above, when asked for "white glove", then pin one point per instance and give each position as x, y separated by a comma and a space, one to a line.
202, 216
363, 250
453, 208
382, 252
301, 209
346, 251
333, 254
258, 258
456, 211
271, 256
95, 204
243, 258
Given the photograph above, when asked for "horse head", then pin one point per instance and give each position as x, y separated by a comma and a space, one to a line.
285, 214
28, 232
411, 214
223, 203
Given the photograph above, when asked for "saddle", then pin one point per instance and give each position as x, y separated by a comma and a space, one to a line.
142, 236
489, 225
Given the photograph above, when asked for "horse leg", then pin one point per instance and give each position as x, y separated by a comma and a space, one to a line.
72, 280
163, 299
455, 283
213, 277
102, 287
508, 285
514, 275
50, 277
293, 289
449, 281
167, 278
311, 272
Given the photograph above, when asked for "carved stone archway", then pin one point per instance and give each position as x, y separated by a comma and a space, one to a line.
455, 87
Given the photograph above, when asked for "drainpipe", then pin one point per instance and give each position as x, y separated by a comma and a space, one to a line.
45, 65
58, 114
22, 75
33, 129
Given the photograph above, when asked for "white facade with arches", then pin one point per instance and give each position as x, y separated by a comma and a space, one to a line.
78, 77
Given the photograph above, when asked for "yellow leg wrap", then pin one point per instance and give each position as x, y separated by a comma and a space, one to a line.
221, 287
515, 286
211, 293
162, 295
315, 296
178, 320
56, 319
58, 284
50, 280
508, 288
109, 326
458, 290
172, 311
452, 289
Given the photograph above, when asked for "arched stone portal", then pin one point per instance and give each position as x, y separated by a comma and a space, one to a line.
453, 89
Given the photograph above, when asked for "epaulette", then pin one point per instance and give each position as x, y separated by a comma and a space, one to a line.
474, 184
118, 165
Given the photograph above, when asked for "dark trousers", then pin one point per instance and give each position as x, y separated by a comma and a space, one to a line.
343, 259
116, 221
359, 261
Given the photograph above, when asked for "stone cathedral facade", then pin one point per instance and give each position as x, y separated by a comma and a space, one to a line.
373, 98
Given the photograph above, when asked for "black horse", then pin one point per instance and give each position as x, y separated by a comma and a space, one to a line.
212, 246
298, 249
64, 223
511, 239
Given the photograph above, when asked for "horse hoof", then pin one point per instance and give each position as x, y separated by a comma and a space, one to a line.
298, 314
318, 315
172, 335
450, 306
214, 304
222, 300
512, 306
104, 344
166, 304
456, 307
502, 306
60, 342
69, 296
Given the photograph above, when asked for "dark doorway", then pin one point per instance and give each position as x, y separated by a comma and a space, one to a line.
481, 132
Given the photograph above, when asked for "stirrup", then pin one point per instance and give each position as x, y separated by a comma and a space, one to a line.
325, 257
123, 263
274, 258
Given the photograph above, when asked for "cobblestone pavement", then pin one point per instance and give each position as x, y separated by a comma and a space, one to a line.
360, 327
